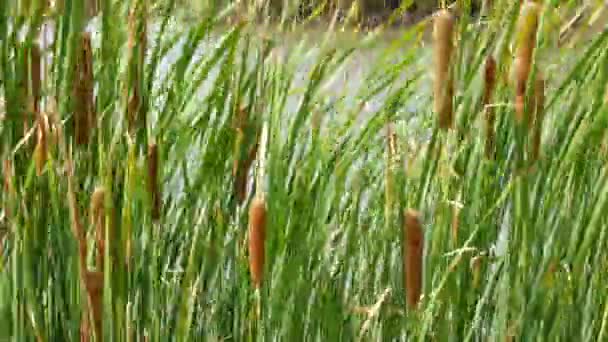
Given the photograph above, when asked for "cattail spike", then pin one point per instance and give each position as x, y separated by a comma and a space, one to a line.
94, 287
84, 106
476, 270
414, 244
41, 150
455, 223
36, 76
443, 34
137, 45
153, 185
539, 101
489, 85
257, 235
98, 216
527, 27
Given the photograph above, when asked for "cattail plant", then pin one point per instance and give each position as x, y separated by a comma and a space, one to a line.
488, 91
84, 105
41, 150
7, 193
257, 235
476, 270
35, 72
98, 216
412, 261
137, 44
539, 104
153, 181
244, 155
391, 154
94, 283
443, 34
91, 282
30, 83
527, 27
455, 222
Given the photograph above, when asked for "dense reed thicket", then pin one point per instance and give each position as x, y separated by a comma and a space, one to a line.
164, 181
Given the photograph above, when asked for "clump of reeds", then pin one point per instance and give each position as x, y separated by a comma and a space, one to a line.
257, 235
443, 34
412, 261
490, 116
527, 27
84, 105
137, 44
539, 104
153, 181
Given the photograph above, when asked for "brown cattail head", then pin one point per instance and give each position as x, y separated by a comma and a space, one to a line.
36, 76
257, 236
455, 223
539, 104
84, 105
41, 150
244, 155
98, 217
414, 244
476, 269
489, 86
443, 34
527, 27
153, 181
94, 287
9, 189
24, 88
137, 50
391, 155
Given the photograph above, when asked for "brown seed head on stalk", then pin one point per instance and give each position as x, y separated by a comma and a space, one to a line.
443, 34
153, 181
94, 287
24, 88
41, 150
539, 104
257, 236
137, 49
527, 27
242, 162
98, 217
84, 103
489, 86
9, 189
391, 162
414, 244
476, 269
455, 223
36, 76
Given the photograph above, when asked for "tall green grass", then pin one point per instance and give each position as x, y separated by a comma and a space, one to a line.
514, 246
